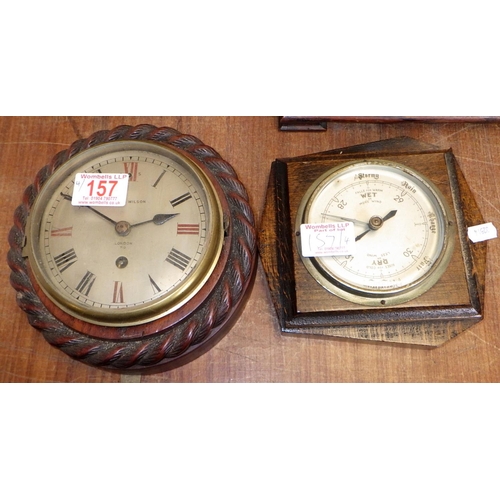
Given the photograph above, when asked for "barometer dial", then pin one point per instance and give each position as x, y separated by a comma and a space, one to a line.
403, 231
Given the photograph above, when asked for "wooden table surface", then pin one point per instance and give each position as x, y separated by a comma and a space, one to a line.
254, 350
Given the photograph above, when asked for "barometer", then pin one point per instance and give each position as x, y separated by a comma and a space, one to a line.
370, 242
401, 230
131, 249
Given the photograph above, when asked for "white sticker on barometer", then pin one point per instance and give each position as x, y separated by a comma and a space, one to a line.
328, 239
482, 232
98, 190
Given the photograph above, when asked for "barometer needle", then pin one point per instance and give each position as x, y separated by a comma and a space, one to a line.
356, 221
69, 198
390, 215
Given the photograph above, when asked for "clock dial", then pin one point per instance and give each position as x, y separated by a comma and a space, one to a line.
134, 248
124, 265
402, 227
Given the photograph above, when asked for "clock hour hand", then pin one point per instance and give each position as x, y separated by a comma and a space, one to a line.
69, 198
158, 219
376, 223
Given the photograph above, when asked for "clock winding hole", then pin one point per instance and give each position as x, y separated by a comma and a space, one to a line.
121, 262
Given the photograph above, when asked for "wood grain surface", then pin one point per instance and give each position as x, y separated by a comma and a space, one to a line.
254, 350
430, 319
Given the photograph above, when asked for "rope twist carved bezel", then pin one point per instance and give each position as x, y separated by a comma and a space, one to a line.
186, 335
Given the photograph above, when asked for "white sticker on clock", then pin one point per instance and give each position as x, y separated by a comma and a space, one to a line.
98, 190
482, 232
327, 239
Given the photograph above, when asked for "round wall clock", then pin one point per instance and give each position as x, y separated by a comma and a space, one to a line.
133, 248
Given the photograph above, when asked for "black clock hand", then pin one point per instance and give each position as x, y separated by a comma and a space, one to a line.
158, 219
69, 198
123, 227
375, 223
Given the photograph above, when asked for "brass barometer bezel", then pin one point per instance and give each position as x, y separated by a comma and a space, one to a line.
365, 295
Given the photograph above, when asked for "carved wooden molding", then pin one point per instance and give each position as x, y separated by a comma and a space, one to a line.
186, 335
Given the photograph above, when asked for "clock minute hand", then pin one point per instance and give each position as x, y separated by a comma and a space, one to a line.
69, 198
376, 223
158, 219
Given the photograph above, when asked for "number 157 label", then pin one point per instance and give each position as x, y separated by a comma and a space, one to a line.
100, 190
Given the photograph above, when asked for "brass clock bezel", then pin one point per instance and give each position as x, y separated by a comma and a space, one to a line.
200, 318
134, 315
363, 295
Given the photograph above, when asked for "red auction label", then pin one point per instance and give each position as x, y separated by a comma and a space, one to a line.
100, 190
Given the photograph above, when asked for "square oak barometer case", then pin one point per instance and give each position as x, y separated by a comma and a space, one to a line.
370, 242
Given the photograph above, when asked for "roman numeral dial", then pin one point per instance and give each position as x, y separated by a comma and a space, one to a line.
118, 293
181, 199
63, 231
126, 264
178, 259
193, 229
65, 259
86, 283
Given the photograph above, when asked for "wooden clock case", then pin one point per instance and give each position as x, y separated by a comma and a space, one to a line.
452, 305
186, 333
